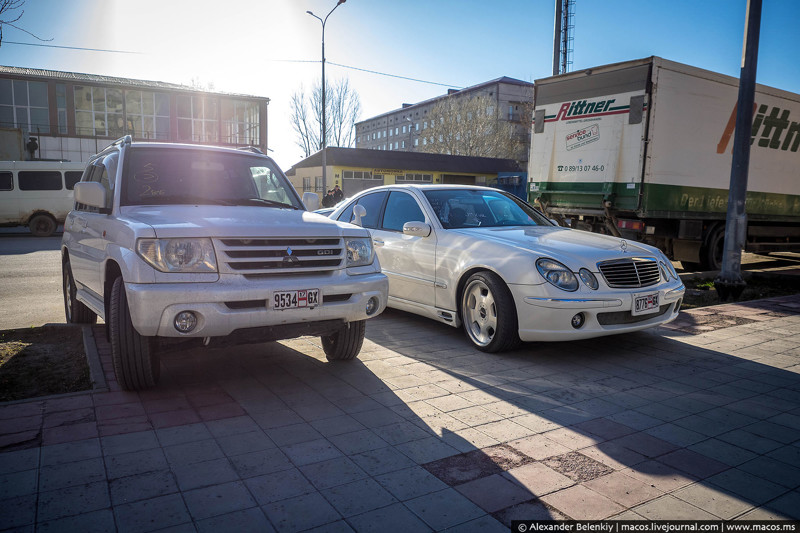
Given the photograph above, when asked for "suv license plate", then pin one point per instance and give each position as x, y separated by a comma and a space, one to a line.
295, 299
644, 304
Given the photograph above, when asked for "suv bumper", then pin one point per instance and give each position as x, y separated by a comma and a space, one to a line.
226, 305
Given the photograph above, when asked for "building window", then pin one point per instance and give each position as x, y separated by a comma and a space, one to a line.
390, 133
318, 184
306, 184
61, 106
147, 115
197, 119
360, 175
23, 104
98, 112
396, 145
416, 142
415, 178
240, 122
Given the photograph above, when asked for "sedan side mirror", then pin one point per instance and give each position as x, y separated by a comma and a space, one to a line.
311, 200
417, 229
359, 211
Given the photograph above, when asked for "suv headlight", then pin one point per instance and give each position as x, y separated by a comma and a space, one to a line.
359, 251
557, 274
178, 255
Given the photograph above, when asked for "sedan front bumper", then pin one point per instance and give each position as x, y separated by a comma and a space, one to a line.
549, 317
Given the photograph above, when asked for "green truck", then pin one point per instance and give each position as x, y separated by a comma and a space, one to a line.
642, 150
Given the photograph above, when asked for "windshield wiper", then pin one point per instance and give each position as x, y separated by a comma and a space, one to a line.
183, 199
264, 202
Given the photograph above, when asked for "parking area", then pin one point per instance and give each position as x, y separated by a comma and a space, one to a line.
700, 420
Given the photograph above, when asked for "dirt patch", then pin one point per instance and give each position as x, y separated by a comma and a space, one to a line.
702, 293
577, 466
42, 361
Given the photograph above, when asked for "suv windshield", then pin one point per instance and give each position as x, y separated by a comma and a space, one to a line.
466, 208
205, 177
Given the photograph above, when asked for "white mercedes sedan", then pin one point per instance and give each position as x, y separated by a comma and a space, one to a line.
482, 258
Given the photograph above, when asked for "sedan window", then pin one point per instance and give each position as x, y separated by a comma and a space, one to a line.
372, 203
401, 208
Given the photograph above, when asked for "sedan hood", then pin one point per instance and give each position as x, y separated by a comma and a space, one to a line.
236, 221
563, 244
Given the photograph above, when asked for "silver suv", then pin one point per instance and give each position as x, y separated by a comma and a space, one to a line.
170, 241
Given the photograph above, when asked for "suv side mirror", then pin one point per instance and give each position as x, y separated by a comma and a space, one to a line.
311, 201
90, 193
417, 229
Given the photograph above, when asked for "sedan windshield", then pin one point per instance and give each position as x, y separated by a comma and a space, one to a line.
469, 208
204, 177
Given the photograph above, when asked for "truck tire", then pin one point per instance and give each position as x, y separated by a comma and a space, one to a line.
713, 248
136, 363
345, 344
76, 312
488, 313
42, 225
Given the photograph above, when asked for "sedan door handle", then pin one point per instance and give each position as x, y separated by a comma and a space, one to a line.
377, 242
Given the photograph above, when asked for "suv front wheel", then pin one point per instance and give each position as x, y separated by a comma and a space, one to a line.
346, 342
136, 362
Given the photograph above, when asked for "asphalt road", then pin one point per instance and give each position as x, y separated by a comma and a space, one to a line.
30, 281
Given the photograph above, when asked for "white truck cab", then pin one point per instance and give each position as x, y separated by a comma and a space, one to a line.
172, 241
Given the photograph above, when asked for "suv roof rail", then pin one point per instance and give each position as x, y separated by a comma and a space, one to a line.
127, 139
254, 149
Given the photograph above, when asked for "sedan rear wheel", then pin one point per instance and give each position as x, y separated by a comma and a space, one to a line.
488, 313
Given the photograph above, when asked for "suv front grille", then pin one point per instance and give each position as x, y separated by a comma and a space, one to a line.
630, 273
275, 256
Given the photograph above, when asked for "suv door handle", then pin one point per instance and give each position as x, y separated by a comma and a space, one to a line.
377, 242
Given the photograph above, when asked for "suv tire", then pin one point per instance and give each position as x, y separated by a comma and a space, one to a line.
76, 312
345, 344
136, 362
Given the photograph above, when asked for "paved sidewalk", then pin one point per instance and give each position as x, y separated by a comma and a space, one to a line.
698, 420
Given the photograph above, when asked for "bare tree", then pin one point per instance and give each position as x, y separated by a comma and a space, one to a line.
9, 17
471, 126
344, 108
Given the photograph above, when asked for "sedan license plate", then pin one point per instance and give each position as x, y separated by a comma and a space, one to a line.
295, 299
644, 304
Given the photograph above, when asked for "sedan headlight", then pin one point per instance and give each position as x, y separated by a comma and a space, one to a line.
359, 252
667, 270
557, 274
178, 255
588, 278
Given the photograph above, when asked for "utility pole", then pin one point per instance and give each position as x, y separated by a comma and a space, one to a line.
324, 135
730, 281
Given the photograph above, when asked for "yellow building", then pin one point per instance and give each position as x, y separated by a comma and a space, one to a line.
356, 169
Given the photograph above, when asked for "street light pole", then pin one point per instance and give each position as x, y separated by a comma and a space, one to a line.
324, 107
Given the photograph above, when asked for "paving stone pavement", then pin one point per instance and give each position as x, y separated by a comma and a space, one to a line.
699, 419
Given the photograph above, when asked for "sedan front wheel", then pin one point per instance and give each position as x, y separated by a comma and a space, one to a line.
488, 313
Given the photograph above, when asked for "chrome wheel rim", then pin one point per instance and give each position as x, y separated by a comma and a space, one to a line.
479, 313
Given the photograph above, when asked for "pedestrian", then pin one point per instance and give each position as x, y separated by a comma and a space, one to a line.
328, 200
338, 195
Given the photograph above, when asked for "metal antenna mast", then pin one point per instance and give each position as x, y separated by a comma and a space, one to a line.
562, 36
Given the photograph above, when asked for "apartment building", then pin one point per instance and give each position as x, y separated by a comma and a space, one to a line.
53, 115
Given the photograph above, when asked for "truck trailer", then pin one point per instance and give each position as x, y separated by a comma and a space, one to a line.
642, 150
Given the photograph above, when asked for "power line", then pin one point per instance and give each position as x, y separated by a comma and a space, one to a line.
73, 48
275, 60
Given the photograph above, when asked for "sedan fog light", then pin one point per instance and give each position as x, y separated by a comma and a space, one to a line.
372, 305
578, 321
185, 321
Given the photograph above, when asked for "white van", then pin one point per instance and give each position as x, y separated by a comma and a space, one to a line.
37, 194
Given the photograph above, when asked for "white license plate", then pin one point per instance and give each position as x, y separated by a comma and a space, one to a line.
295, 299
644, 304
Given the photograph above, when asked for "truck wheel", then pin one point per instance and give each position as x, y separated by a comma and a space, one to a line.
42, 226
76, 312
488, 313
711, 254
136, 362
346, 342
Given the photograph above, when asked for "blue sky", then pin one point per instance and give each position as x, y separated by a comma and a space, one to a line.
271, 47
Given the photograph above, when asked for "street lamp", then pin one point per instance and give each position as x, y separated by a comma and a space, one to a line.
324, 109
